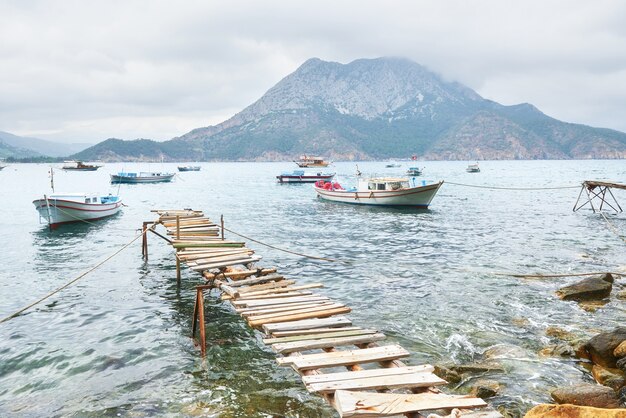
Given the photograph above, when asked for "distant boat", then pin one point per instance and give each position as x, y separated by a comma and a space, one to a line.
189, 168
142, 177
300, 176
414, 171
473, 168
63, 208
393, 165
79, 166
308, 161
1, 167
399, 192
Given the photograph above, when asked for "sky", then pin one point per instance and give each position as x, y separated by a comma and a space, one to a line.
85, 71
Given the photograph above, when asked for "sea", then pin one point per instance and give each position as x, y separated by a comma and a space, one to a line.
438, 282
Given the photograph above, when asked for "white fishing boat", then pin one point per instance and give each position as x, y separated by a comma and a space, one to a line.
79, 166
414, 171
188, 168
385, 191
473, 168
142, 177
393, 165
308, 161
1, 167
301, 176
60, 208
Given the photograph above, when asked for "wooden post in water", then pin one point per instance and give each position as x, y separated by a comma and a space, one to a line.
144, 241
177, 259
200, 297
222, 222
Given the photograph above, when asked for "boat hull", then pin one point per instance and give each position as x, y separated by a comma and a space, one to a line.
302, 179
415, 197
80, 169
157, 179
188, 168
65, 211
307, 165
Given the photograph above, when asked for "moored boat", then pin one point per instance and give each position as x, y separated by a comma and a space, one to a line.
300, 176
79, 166
393, 165
473, 168
142, 177
414, 171
60, 208
387, 191
308, 161
189, 168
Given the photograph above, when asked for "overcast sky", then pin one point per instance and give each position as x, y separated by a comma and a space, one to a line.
84, 71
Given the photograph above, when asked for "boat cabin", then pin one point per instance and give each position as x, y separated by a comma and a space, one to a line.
383, 184
84, 198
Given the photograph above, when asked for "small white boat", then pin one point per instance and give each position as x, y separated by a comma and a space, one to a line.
79, 166
60, 208
393, 165
414, 171
1, 167
189, 168
142, 177
308, 161
381, 192
473, 168
300, 176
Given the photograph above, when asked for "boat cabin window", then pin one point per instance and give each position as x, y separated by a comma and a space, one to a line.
381, 186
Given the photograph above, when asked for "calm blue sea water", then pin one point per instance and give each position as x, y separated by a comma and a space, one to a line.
117, 342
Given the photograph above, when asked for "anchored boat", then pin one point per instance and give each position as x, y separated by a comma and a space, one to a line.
62, 208
300, 176
473, 168
414, 171
189, 168
79, 166
142, 177
385, 191
308, 161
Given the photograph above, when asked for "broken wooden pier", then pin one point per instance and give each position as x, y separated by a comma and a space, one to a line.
310, 332
596, 191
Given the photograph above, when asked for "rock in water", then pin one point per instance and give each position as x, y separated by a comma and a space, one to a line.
485, 389
592, 288
620, 350
601, 346
572, 411
613, 378
597, 396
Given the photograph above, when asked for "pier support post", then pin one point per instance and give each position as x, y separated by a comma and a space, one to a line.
198, 316
177, 269
222, 222
144, 241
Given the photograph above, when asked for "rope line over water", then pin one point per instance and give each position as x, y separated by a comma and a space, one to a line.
16, 313
512, 188
332, 260
612, 227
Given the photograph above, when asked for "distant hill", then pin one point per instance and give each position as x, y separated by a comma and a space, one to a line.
29, 147
376, 109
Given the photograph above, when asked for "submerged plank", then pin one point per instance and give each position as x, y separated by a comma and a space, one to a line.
370, 404
344, 358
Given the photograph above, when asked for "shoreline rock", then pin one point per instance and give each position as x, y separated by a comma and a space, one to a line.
573, 411
597, 396
591, 288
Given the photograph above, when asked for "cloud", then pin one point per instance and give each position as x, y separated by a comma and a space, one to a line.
86, 71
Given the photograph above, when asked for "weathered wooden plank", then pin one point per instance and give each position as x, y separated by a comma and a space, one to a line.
276, 301
404, 380
200, 244
257, 280
296, 317
247, 298
282, 283
218, 258
264, 286
207, 266
284, 348
239, 275
315, 336
281, 290
344, 358
312, 331
360, 374
296, 310
197, 256
283, 303
308, 324
369, 404
284, 308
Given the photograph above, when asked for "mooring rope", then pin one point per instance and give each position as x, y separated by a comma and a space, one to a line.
542, 276
612, 227
332, 260
512, 188
16, 313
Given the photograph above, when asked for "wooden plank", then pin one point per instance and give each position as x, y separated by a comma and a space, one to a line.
280, 303
296, 317
238, 275
276, 301
206, 259
202, 244
284, 308
344, 358
208, 266
297, 310
308, 324
315, 336
284, 348
257, 280
275, 296
265, 286
237, 291
369, 404
192, 257
347, 376
312, 331
397, 381
279, 290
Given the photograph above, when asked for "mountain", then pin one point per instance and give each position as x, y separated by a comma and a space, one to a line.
32, 147
376, 109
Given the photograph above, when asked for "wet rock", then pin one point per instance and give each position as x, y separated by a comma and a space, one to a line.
500, 351
485, 389
620, 350
520, 322
613, 378
601, 346
621, 364
591, 288
558, 350
592, 305
446, 374
560, 333
476, 368
573, 411
621, 294
587, 395
622, 395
